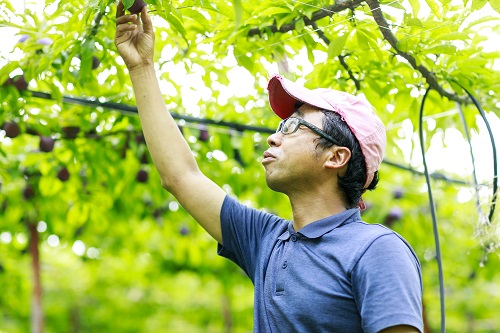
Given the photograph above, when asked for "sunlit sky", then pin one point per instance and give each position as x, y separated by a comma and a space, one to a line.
452, 153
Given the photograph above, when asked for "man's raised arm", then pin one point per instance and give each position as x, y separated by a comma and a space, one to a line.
170, 152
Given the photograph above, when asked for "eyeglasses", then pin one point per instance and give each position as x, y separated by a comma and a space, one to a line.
291, 125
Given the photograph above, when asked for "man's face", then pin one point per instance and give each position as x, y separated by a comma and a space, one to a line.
292, 162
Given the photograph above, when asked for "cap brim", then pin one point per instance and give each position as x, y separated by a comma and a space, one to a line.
283, 94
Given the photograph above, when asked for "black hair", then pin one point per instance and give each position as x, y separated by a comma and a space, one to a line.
352, 182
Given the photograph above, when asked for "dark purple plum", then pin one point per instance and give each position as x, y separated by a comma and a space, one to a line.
398, 193
142, 176
395, 214
137, 7
28, 192
184, 231
204, 136
95, 62
46, 144
63, 174
70, 132
11, 129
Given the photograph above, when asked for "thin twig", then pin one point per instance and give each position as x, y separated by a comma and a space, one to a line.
341, 58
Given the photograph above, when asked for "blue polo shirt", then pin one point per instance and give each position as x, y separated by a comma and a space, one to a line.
338, 274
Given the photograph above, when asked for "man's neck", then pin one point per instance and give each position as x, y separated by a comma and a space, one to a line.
308, 208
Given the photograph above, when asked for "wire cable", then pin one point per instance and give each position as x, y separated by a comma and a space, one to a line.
133, 109
474, 175
494, 150
433, 214
128, 109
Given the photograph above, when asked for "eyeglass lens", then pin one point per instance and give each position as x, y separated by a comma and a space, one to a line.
288, 126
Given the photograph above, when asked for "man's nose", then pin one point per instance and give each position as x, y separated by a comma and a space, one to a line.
274, 139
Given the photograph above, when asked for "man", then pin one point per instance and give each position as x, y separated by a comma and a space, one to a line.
325, 271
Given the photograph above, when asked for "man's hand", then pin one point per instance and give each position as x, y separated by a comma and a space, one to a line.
134, 38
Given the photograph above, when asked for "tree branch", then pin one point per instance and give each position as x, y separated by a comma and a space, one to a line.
317, 15
97, 23
430, 78
344, 64
384, 27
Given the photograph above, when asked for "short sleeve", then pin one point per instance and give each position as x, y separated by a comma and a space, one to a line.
243, 231
387, 285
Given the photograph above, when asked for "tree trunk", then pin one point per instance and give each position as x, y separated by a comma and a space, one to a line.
36, 301
427, 327
226, 312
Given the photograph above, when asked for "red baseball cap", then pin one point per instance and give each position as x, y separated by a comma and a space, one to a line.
358, 114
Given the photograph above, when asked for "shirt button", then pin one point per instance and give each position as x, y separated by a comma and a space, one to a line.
285, 264
294, 238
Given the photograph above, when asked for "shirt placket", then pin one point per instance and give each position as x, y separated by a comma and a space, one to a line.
283, 265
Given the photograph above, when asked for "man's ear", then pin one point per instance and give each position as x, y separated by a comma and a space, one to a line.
337, 157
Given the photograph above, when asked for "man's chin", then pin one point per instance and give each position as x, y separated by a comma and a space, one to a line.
275, 185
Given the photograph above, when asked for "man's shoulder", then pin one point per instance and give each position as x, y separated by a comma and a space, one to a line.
362, 235
240, 213
359, 228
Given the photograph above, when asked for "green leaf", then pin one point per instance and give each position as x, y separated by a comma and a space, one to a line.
177, 25
283, 20
495, 4
309, 11
245, 61
414, 22
238, 11
7, 69
271, 11
415, 6
441, 49
478, 4
396, 5
248, 149
127, 3
336, 46
367, 39
453, 36
362, 40
49, 186
78, 214
482, 19
56, 93
197, 17
87, 51
300, 25
434, 7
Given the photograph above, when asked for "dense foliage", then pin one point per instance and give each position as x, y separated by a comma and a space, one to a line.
81, 206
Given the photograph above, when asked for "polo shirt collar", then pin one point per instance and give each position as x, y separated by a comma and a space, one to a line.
319, 228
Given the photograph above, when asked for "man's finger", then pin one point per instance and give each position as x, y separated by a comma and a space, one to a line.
121, 29
146, 20
120, 9
126, 19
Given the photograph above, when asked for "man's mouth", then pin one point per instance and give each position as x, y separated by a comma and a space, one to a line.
268, 157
